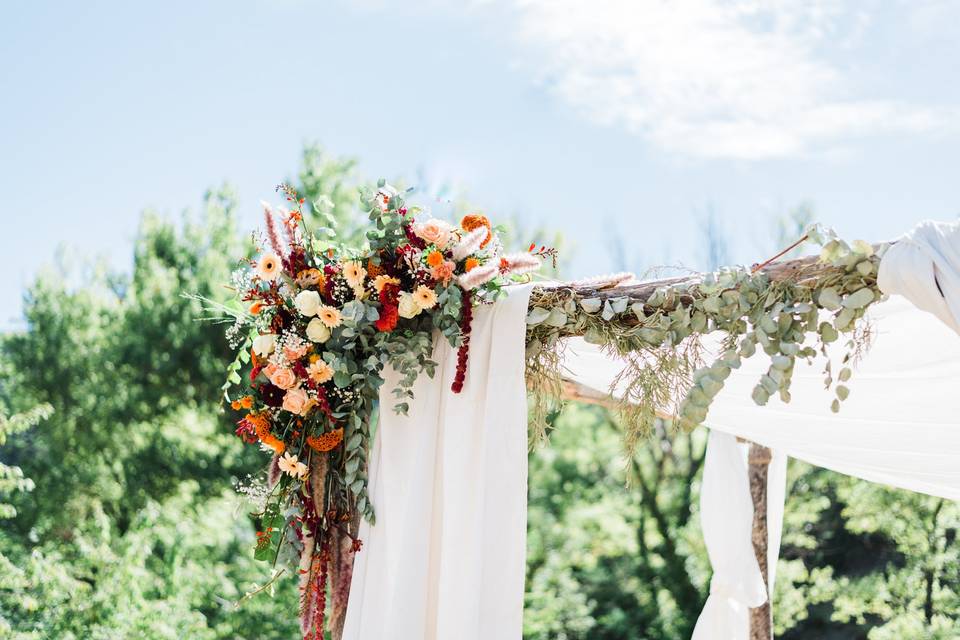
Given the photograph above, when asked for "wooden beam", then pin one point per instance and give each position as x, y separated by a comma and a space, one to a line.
799, 270
758, 460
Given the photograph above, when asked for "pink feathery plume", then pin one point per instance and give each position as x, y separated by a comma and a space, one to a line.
306, 571
341, 573
273, 475
271, 226
605, 280
518, 263
289, 226
469, 243
478, 276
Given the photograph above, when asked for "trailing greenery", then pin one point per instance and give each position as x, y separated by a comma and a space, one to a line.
658, 333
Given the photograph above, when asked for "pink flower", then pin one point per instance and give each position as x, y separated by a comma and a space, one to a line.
282, 377
295, 352
296, 401
443, 271
435, 232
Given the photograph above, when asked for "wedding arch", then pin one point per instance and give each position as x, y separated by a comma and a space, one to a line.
435, 494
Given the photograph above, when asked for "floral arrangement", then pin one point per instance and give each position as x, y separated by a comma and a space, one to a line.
320, 324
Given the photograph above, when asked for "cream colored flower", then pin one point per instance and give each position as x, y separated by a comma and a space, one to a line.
296, 401
383, 280
425, 297
320, 371
408, 307
354, 273
291, 466
330, 316
268, 266
264, 344
317, 331
307, 303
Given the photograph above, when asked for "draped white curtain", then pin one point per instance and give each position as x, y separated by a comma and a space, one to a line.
446, 557
726, 518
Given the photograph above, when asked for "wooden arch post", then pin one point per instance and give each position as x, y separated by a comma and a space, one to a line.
758, 463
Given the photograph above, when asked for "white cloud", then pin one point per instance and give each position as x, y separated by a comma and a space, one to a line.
712, 78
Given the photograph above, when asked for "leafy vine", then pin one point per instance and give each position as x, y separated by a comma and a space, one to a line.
790, 311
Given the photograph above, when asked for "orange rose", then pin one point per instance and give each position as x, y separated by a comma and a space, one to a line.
473, 221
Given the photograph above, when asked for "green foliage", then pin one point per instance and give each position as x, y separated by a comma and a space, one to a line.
658, 332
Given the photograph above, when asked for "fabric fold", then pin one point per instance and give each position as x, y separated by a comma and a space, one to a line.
446, 557
924, 267
726, 518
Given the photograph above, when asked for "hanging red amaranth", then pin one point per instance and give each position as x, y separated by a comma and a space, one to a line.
464, 352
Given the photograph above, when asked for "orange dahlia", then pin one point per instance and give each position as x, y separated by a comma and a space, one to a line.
473, 221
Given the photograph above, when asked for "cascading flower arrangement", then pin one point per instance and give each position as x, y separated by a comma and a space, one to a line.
321, 323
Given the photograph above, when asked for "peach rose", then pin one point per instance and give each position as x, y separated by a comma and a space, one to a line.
443, 272
282, 377
296, 401
435, 232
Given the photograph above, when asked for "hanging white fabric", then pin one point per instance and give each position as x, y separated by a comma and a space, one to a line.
726, 516
924, 267
446, 558
726, 519
900, 426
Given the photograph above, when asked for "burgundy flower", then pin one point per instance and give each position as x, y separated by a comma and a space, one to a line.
271, 395
413, 238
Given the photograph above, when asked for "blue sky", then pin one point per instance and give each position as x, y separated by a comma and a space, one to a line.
629, 117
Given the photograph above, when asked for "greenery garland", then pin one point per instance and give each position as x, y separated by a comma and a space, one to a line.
787, 310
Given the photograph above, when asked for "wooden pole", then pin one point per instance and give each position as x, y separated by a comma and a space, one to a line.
761, 622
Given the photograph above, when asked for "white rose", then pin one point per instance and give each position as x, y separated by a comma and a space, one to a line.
317, 331
307, 303
408, 307
263, 344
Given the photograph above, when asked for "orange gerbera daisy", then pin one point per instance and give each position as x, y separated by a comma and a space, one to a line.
434, 258
473, 221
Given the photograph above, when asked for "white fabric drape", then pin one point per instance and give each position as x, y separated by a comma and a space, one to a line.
924, 266
726, 515
726, 518
446, 557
